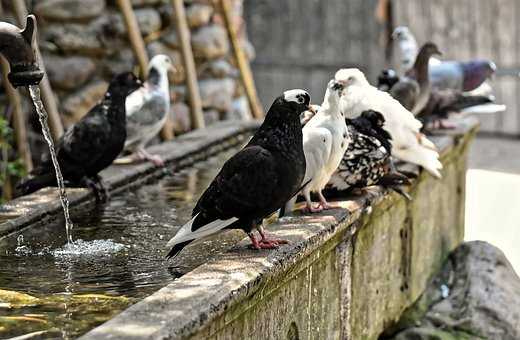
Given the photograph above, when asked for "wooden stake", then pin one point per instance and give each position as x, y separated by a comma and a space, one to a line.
19, 127
138, 46
181, 23
134, 34
243, 64
48, 97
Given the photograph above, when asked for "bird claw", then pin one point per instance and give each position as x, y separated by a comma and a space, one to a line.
325, 206
98, 187
154, 159
310, 209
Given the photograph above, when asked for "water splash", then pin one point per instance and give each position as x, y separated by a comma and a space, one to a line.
21, 249
34, 90
83, 249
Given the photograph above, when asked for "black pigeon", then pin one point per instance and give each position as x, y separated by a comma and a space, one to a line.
367, 160
91, 144
256, 181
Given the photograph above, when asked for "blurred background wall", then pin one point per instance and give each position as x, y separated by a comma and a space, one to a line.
314, 38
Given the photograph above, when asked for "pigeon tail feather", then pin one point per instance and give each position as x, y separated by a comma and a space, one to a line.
185, 235
36, 183
420, 155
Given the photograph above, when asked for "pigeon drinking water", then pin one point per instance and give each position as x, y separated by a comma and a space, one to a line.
256, 181
91, 144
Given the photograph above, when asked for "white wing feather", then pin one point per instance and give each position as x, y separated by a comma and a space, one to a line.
185, 233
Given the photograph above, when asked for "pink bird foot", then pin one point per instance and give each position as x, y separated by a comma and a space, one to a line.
310, 209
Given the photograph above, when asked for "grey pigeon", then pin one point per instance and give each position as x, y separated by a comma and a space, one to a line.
462, 76
457, 75
256, 181
90, 145
147, 110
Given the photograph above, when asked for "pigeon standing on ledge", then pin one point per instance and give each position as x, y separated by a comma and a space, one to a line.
408, 143
147, 110
325, 140
90, 145
367, 160
256, 181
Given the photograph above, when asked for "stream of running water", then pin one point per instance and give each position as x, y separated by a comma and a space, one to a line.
34, 90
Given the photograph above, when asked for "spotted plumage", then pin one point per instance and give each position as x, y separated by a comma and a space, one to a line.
367, 160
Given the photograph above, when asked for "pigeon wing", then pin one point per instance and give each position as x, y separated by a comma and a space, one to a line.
85, 142
145, 116
246, 185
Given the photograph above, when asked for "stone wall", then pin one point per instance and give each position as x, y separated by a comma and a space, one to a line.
84, 43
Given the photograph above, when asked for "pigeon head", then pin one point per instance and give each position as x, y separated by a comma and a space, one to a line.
401, 33
123, 84
351, 77
161, 62
297, 99
430, 49
375, 118
387, 79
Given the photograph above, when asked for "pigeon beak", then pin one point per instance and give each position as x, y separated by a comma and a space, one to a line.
310, 108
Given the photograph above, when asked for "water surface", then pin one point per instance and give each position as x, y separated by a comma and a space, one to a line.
117, 260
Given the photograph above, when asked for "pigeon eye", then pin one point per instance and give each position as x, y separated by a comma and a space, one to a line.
300, 100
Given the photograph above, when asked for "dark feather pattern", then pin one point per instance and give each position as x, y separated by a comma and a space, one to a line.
261, 177
367, 160
91, 144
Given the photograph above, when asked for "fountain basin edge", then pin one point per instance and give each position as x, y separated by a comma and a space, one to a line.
347, 273
43, 206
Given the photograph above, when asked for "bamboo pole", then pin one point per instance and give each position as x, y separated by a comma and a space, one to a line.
134, 34
243, 64
19, 127
48, 97
138, 46
181, 24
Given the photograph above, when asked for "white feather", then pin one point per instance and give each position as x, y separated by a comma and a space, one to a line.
186, 234
148, 107
404, 128
325, 140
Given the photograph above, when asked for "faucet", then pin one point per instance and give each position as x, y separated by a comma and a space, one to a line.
16, 45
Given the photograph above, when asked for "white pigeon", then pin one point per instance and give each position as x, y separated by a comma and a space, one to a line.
325, 140
408, 143
407, 50
147, 110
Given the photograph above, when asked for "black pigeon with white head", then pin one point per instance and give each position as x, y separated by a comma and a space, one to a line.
256, 181
90, 145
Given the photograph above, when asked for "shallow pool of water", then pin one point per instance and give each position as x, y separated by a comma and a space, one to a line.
117, 260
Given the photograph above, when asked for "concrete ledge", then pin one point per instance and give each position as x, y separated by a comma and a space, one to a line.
347, 273
44, 206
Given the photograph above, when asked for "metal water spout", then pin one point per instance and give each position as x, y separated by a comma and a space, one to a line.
16, 45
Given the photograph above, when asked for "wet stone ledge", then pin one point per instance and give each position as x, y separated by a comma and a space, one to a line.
348, 273
43, 206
